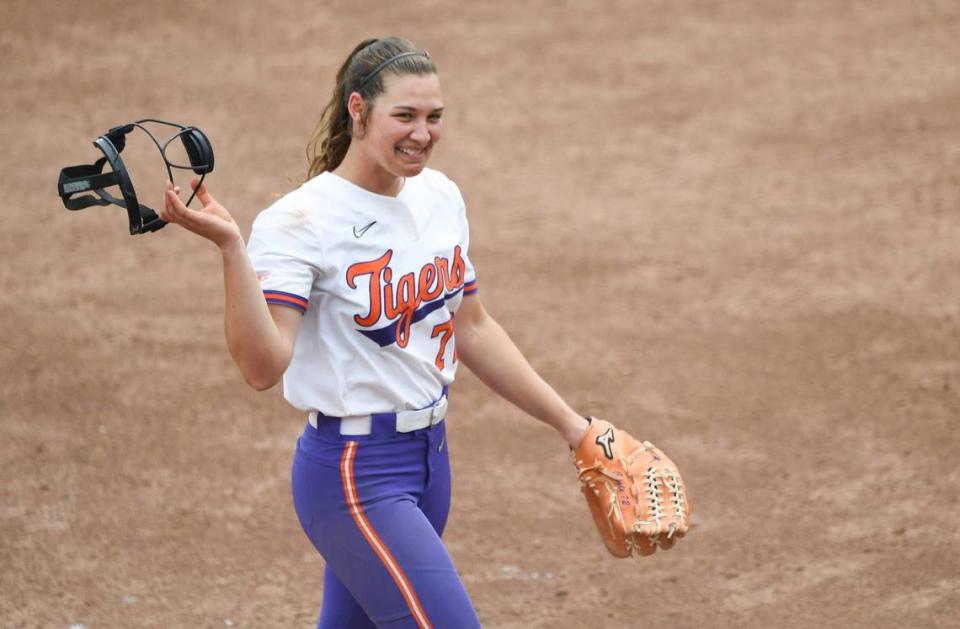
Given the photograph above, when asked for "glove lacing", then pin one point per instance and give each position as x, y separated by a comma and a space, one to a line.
673, 482
654, 494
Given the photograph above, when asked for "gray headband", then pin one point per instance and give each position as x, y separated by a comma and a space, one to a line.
376, 71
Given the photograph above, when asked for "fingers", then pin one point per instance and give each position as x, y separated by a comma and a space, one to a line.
205, 197
212, 221
173, 208
177, 210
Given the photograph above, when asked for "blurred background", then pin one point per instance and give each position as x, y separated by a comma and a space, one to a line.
730, 227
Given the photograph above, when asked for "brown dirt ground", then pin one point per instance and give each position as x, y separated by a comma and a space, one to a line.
731, 226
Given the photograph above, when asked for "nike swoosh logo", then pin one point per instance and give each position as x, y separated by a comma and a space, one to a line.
360, 232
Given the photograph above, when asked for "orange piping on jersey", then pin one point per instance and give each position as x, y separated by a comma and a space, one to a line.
285, 299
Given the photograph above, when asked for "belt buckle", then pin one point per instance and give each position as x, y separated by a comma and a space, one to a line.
434, 411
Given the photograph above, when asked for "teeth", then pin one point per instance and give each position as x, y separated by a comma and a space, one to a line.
411, 152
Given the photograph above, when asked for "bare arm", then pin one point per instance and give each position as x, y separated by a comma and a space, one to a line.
487, 350
260, 337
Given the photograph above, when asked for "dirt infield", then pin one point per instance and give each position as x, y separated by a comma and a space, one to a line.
730, 226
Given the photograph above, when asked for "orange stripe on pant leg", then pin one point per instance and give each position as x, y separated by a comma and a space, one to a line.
353, 501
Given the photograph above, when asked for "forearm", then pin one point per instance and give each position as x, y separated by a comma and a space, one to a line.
487, 350
254, 340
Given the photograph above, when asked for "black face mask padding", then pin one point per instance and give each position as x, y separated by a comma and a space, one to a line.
198, 150
118, 136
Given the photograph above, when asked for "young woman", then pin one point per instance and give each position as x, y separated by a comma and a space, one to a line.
347, 291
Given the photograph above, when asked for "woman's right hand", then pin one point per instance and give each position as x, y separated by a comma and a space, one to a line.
212, 221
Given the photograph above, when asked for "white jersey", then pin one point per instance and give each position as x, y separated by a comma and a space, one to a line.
378, 279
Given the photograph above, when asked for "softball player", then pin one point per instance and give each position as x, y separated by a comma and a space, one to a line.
347, 290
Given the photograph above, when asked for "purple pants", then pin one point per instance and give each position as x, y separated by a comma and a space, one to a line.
375, 507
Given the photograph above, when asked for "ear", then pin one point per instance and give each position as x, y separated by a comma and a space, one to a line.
355, 109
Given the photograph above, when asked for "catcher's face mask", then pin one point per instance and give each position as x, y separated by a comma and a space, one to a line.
84, 178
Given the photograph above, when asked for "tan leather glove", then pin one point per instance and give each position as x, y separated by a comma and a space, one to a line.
635, 493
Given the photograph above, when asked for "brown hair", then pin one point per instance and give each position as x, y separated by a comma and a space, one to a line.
362, 72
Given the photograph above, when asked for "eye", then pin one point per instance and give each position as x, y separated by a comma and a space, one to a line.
404, 115
434, 117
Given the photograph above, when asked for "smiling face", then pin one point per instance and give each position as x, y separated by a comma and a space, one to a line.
402, 126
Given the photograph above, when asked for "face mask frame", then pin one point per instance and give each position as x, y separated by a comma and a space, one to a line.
87, 178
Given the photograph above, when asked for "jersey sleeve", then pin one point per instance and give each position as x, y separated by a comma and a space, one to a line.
284, 255
470, 274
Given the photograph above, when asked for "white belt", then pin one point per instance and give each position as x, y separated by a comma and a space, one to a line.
407, 421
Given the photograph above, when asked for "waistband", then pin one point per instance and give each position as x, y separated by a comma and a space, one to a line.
400, 421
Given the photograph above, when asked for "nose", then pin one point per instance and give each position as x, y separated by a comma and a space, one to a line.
420, 133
